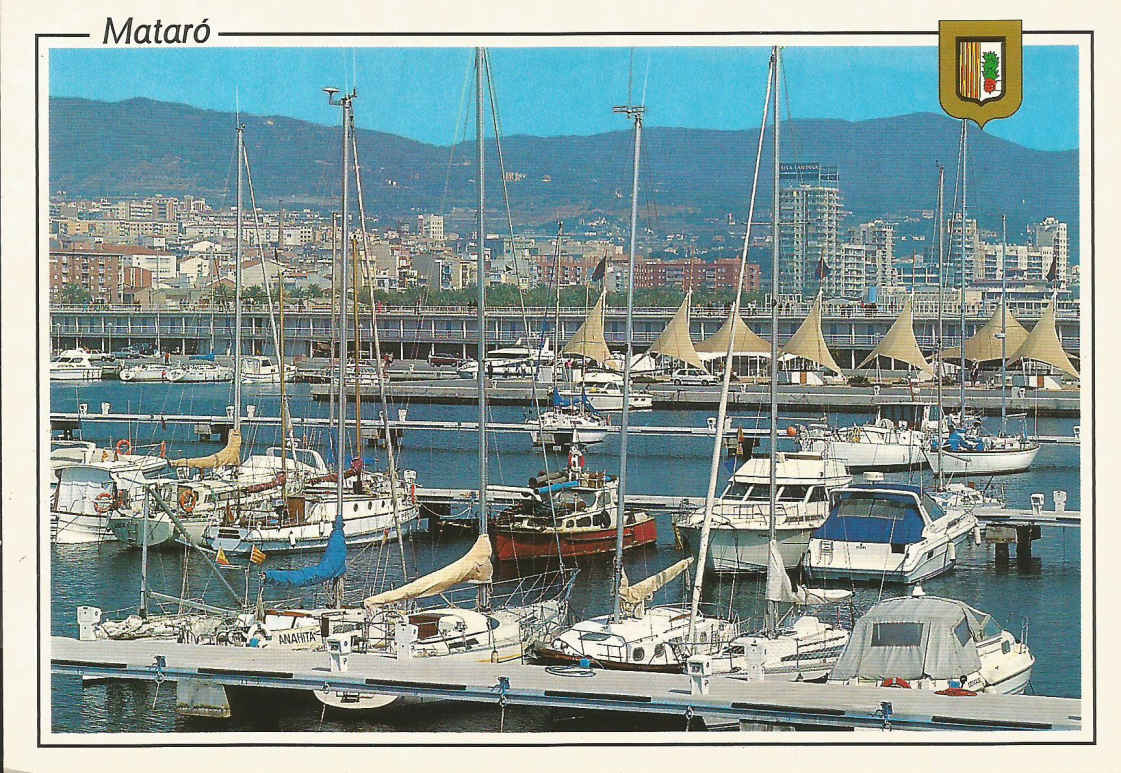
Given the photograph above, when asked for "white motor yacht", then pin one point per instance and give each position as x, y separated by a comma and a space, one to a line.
741, 518
256, 369
74, 365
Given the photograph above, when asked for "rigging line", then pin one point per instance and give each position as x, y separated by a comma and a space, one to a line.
461, 112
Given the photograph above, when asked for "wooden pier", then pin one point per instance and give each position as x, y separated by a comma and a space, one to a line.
509, 685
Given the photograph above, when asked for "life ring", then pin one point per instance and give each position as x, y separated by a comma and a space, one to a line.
791, 431
412, 492
124, 447
955, 691
896, 681
229, 515
163, 449
103, 502
188, 499
856, 436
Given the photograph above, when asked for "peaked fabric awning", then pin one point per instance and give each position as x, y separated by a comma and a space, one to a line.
808, 342
900, 344
1043, 345
985, 343
589, 340
746, 341
475, 566
675, 341
229, 455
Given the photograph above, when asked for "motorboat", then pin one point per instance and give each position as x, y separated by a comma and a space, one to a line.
573, 512
607, 396
739, 532
199, 372
929, 643
67, 453
887, 532
896, 440
74, 365
256, 369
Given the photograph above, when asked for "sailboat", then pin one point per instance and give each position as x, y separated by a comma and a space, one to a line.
805, 649
966, 449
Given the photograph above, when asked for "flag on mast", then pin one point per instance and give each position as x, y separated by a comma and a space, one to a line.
221, 559
600, 269
257, 555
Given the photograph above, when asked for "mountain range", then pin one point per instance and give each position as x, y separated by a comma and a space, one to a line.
887, 166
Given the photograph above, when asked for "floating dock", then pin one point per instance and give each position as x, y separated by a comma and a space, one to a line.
509, 685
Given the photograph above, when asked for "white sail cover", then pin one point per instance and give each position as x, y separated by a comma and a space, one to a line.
779, 588
746, 341
900, 344
984, 345
1043, 344
229, 455
589, 341
675, 341
475, 566
808, 342
644, 589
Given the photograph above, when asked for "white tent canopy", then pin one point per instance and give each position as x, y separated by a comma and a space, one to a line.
674, 341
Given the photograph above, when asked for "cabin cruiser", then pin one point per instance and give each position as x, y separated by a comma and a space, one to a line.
894, 441
739, 531
929, 643
887, 532
573, 512
74, 365
86, 496
199, 372
256, 369
67, 453
641, 639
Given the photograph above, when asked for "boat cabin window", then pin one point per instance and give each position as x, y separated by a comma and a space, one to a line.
933, 509
867, 504
817, 494
594, 636
637, 654
736, 490
791, 493
493, 623
585, 521
896, 634
602, 520
659, 650
962, 632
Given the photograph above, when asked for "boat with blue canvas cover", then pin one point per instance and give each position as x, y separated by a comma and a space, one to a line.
892, 532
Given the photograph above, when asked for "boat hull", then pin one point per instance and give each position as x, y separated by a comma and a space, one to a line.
567, 436
745, 550
865, 457
996, 462
552, 656
128, 530
76, 374
80, 528
361, 530
935, 560
527, 544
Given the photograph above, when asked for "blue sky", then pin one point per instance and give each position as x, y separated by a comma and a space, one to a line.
417, 92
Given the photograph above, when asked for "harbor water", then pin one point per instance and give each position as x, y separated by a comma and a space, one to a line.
1041, 596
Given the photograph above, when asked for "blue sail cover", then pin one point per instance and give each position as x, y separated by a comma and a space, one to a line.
330, 566
560, 401
209, 357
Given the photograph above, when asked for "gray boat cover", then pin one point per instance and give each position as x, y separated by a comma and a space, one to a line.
911, 638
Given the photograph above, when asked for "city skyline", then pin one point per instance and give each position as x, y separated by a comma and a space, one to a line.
705, 87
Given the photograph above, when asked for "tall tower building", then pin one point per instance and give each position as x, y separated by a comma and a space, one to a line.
1051, 233
879, 239
809, 213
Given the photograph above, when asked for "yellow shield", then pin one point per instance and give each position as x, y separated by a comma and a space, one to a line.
980, 69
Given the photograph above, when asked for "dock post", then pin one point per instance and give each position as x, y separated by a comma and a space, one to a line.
1024, 537
1002, 554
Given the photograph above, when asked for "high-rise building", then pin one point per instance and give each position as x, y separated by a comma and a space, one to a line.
809, 213
879, 239
430, 228
1051, 233
974, 260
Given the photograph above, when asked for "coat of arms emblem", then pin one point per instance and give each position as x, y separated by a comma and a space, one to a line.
980, 72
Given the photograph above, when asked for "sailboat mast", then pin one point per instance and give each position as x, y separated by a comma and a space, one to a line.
481, 283
938, 349
237, 282
556, 317
635, 113
722, 412
961, 284
771, 616
357, 355
285, 417
1003, 328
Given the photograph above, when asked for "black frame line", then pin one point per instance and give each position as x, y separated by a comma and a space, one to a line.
557, 744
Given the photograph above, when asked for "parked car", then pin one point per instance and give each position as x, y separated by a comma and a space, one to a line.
692, 377
128, 353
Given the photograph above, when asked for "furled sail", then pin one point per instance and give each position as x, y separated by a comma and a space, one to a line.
808, 342
475, 566
675, 341
984, 345
644, 589
330, 566
900, 344
229, 455
589, 340
779, 588
1043, 344
746, 341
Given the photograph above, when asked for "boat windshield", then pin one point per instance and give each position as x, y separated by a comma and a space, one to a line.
933, 509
